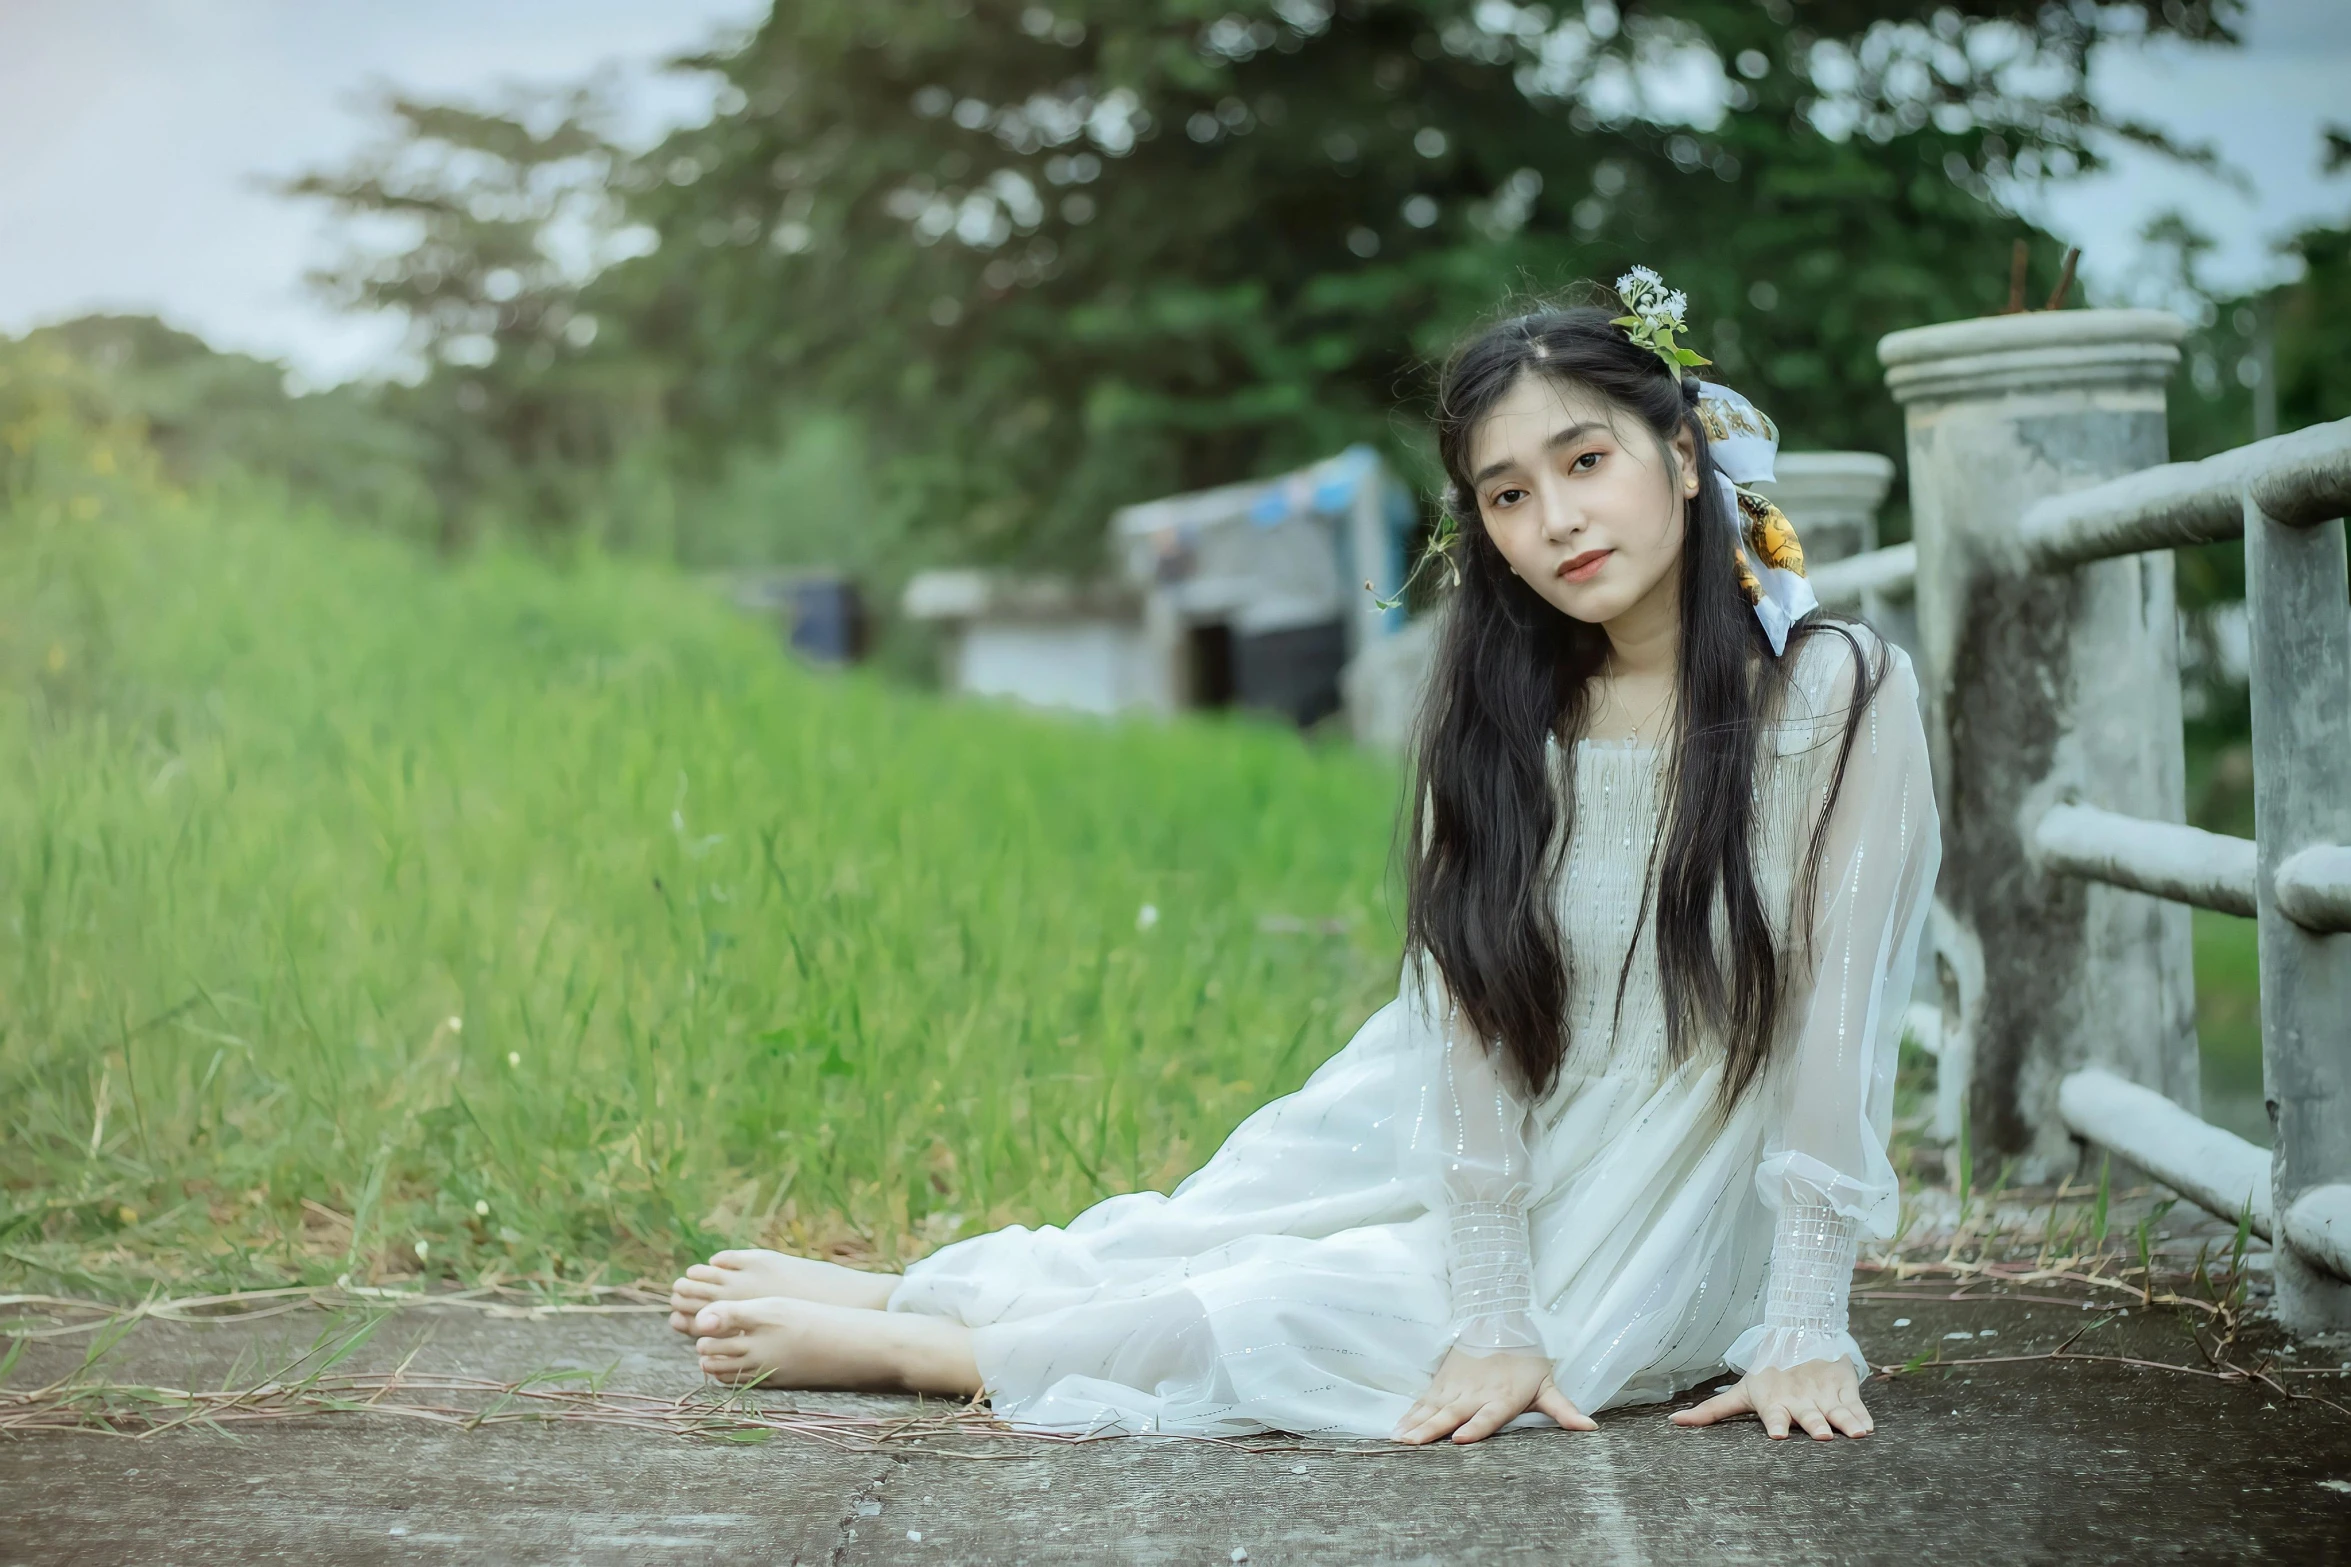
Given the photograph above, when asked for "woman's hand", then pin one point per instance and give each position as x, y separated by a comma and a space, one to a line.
1473, 1396
1822, 1396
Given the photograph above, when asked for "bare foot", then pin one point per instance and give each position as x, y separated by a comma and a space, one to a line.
806, 1344
763, 1275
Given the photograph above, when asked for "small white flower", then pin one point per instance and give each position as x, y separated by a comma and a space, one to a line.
514, 1058
481, 1208
424, 1249
1147, 916
457, 1025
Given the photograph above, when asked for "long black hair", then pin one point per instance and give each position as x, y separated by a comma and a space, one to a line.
1510, 670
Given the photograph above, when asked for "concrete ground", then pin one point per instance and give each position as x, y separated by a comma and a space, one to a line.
2011, 1463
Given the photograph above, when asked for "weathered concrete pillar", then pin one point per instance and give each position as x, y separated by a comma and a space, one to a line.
1833, 499
2044, 689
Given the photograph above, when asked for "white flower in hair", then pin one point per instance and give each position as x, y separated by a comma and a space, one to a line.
1656, 315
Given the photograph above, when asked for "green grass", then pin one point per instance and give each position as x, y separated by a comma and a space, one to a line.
554, 923
367, 916
2228, 1023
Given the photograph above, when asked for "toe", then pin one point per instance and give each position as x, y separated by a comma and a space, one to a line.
704, 1273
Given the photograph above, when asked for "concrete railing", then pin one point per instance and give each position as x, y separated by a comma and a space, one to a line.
2043, 518
2301, 621
1891, 571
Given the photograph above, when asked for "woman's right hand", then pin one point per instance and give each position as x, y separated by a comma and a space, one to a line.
1473, 1396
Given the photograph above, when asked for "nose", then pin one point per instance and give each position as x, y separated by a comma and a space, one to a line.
1563, 519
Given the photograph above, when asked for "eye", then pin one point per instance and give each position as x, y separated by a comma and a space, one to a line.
1584, 463
1505, 497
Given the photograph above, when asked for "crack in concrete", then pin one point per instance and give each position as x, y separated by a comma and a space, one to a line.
846, 1533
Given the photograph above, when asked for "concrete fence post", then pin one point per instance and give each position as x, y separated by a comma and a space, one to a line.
2294, 582
2044, 689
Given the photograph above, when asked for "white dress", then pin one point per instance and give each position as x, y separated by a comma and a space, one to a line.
1314, 1273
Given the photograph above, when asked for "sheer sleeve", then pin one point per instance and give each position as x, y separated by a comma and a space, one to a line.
1824, 1168
1467, 1122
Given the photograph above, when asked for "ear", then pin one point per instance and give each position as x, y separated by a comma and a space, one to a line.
1685, 451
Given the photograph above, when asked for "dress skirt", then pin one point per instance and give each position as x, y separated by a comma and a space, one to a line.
1297, 1281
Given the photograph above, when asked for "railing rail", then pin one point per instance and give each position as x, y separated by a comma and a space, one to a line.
2296, 479
2314, 887
2185, 864
2215, 1169
1891, 571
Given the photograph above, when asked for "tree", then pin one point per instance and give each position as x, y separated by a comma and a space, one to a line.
2296, 338
204, 412
479, 228
1056, 259
1053, 258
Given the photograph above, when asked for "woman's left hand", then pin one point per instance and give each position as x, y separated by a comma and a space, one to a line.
1822, 1396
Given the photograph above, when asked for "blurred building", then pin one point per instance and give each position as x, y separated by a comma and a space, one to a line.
1248, 595
821, 613
1042, 640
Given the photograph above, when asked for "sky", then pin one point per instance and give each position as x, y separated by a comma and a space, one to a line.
139, 133
2261, 107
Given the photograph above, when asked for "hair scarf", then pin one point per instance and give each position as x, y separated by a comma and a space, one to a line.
1743, 443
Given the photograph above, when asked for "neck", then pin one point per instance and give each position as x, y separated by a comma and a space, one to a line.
1644, 641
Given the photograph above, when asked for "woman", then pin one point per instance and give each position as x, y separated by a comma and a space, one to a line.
1624, 1123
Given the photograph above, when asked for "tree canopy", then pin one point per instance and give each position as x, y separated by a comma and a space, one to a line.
1051, 259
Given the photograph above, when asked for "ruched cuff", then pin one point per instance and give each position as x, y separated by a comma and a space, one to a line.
1789, 1177
1489, 1264
1813, 1249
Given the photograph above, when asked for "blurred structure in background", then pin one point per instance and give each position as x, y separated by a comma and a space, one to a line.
1248, 595
1048, 641
821, 614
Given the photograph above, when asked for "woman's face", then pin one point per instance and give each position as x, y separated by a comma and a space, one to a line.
1579, 500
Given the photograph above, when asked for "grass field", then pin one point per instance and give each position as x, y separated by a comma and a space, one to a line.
376, 918
369, 917
2228, 1024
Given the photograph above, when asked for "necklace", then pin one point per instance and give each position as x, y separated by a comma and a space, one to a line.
1618, 703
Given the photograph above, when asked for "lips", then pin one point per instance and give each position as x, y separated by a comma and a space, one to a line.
1580, 568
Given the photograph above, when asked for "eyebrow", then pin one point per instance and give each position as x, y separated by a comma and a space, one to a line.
1566, 437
